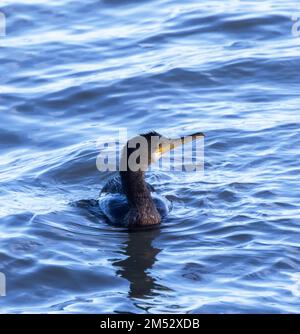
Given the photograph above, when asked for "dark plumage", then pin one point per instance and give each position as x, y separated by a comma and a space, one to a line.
127, 199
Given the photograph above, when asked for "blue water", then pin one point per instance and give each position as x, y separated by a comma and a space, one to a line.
72, 73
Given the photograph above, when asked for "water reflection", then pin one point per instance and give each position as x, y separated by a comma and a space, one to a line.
141, 256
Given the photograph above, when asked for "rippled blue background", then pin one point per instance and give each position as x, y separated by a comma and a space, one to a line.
72, 73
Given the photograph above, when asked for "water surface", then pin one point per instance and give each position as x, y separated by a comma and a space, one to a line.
71, 74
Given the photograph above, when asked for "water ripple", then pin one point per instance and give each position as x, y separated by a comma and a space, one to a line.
72, 73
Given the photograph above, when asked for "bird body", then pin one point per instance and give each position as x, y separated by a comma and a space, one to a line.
114, 203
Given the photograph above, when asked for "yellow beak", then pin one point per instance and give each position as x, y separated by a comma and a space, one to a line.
167, 144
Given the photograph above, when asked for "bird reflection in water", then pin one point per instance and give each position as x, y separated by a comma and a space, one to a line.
141, 256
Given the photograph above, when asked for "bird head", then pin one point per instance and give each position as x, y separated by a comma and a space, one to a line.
145, 149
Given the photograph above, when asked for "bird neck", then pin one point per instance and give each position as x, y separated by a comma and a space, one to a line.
135, 189
142, 209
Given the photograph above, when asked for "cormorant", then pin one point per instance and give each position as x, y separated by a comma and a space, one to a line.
127, 199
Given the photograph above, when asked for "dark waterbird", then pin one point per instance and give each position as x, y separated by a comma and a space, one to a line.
127, 199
